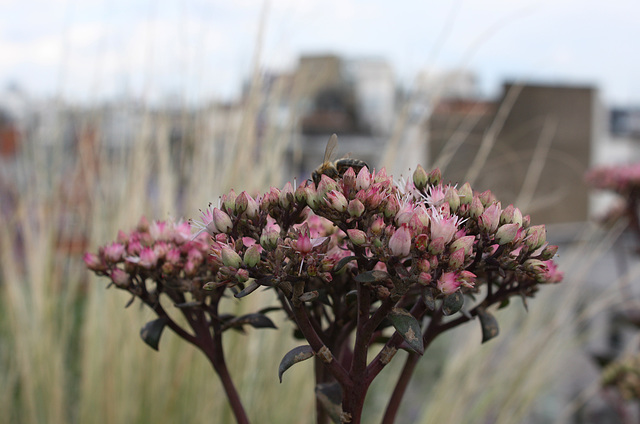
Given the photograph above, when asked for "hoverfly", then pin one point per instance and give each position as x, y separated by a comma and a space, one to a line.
335, 169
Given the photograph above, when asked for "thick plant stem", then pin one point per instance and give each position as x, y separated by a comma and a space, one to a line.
220, 366
211, 345
399, 391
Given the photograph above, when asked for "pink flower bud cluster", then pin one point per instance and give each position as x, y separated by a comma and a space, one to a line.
421, 234
622, 179
160, 250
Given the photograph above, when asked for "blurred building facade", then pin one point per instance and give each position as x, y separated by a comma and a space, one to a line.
531, 147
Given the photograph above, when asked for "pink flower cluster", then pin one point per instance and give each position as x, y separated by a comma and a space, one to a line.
161, 250
419, 234
622, 179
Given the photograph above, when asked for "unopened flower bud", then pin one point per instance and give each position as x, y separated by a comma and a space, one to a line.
312, 196
114, 252
363, 180
374, 197
269, 238
230, 257
456, 259
168, 268
143, 225
93, 262
337, 201
286, 196
436, 246
400, 242
487, 198
435, 177
252, 256
392, 207
465, 243
242, 275
476, 207
549, 252
452, 197
420, 178
535, 265
536, 237
148, 258
229, 201
355, 208
490, 218
301, 193
526, 221
349, 178
326, 185
466, 194
424, 278
507, 233
377, 226
242, 202
120, 278
423, 265
222, 220
357, 237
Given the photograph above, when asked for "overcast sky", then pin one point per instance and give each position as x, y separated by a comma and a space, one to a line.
92, 49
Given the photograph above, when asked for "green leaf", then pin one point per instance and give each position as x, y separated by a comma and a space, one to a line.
504, 303
329, 395
295, 355
308, 296
269, 309
255, 320
429, 299
375, 276
250, 288
408, 327
152, 331
342, 262
452, 303
489, 325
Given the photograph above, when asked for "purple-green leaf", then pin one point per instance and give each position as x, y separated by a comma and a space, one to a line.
295, 355
374, 276
152, 331
329, 395
452, 303
255, 320
342, 262
489, 325
250, 288
408, 327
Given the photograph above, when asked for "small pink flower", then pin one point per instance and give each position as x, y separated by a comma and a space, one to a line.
303, 243
400, 242
114, 252
206, 223
435, 196
159, 230
553, 274
93, 262
448, 283
443, 226
148, 258
173, 256
120, 278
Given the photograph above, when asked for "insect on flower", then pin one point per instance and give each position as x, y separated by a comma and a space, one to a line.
335, 169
